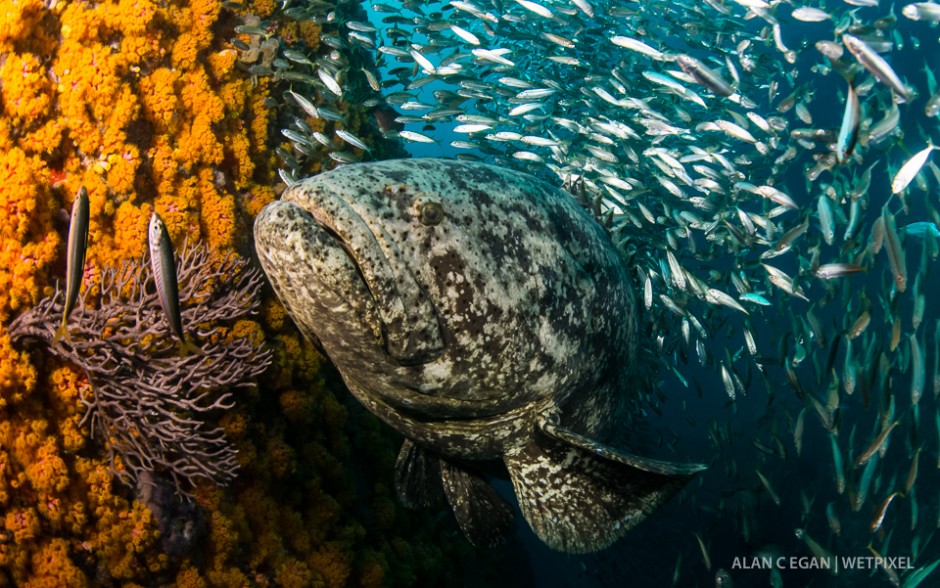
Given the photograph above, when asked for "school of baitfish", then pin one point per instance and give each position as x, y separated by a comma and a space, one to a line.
769, 173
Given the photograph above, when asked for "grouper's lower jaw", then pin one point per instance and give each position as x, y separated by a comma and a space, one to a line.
481, 437
411, 329
318, 281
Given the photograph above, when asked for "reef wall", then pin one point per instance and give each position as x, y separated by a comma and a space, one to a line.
150, 107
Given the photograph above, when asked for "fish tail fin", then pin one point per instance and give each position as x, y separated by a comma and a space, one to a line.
62, 333
189, 348
580, 496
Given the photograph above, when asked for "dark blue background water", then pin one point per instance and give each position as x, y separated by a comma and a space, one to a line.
716, 502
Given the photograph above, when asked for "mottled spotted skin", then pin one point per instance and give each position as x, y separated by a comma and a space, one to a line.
515, 299
463, 330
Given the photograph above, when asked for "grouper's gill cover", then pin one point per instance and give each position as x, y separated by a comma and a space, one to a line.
483, 314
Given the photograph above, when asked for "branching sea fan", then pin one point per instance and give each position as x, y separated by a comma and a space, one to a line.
154, 408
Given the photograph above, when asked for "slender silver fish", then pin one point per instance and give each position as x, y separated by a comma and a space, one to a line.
75, 259
910, 169
163, 263
848, 133
875, 446
896, 257
837, 270
925, 11
880, 513
876, 64
704, 75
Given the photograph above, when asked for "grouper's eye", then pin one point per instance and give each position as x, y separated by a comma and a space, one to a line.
431, 213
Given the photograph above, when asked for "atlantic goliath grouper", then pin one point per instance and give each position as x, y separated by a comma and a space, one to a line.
486, 316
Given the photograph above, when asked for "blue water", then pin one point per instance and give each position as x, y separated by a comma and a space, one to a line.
729, 498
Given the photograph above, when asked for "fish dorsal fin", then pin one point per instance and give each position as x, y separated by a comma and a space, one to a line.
417, 476
580, 496
483, 516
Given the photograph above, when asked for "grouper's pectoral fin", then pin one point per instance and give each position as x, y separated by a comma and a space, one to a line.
417, 476
483, 516
422, 478
580, 496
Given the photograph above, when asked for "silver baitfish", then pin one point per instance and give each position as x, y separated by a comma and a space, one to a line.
163, 264
486, 316
75, 260
876, 64
848, 132
705, 75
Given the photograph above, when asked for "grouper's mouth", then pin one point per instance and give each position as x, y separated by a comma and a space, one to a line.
411, 330
345, 284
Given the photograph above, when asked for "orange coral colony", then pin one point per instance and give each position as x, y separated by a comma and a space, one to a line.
146, 104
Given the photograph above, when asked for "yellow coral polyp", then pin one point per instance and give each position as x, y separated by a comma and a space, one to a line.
122, 171
131, 16
222, 63
47, 472
293, 574
50, 507
22, 523
127, 532
160, 101
280, 457
235, 425
17, 375
189, 577
199, 17
129, 239
68, 387
274, 314
21, 177
29, 244
297, 406
52, 567
331, 564
247, 329
257, 199
309, 31
18, 19
27, 91
218, 207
